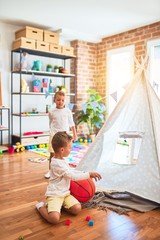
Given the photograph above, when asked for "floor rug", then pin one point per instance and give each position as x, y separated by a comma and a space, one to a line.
77, 153
120, 202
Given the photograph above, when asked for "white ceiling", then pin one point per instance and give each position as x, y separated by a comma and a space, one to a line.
88, 20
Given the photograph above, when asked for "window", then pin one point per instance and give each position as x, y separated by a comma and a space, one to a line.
120, 70
153, 49
128, 147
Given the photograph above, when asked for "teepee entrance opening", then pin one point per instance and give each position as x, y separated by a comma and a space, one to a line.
127, 147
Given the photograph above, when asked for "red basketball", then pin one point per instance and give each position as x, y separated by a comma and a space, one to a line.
83, 190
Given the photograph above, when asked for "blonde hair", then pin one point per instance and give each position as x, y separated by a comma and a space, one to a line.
59, 93
60, 139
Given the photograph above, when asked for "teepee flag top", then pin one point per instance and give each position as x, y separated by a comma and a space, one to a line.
126, 151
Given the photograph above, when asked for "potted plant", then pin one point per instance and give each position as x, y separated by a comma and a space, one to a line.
93, 113
56, 69
49, 68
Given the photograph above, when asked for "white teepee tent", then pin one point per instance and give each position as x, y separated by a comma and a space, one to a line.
134, 129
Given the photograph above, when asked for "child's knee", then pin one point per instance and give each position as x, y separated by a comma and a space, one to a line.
76, 209
54, 218
54, 221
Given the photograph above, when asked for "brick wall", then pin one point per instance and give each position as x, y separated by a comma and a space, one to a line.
86, 67
138, 37
91, 57
86, 72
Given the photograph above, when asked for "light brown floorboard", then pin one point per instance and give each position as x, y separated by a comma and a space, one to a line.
23, 184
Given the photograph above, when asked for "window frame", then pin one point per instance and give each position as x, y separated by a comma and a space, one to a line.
150, 52
109, 54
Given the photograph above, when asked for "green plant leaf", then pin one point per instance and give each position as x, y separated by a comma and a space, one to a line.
95, 114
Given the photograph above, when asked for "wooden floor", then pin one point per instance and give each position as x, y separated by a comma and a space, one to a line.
22, 185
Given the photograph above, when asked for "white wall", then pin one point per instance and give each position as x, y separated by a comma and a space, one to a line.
7, 36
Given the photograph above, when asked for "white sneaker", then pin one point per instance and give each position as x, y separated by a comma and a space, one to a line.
47, 175
39, 205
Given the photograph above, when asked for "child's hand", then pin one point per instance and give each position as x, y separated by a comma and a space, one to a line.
74, 138
95, 175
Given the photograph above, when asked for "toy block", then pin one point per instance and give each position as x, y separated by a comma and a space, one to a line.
68, 222
88, 218
91, 223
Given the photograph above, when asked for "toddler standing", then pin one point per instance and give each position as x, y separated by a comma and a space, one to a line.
60, 119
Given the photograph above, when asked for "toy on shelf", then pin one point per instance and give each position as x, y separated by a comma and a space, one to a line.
37, 65
24, 86
36, 85
56, 69
44, 87
24, 66
63, 70
51, 88
49, 68
48, 108
61, 88
24, 61
33, 113
34, 110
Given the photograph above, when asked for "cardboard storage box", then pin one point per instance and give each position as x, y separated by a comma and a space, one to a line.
24, 43
30, 32
54, 48
42, 46
67, 50
51, 37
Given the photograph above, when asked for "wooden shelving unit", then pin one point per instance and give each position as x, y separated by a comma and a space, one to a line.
18, 74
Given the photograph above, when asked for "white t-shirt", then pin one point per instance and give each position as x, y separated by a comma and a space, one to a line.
60, 120
60, 175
